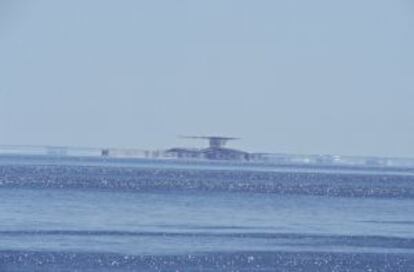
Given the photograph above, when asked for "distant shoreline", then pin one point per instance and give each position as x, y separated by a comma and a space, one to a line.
250, 165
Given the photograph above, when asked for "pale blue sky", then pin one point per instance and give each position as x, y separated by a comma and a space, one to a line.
294, 76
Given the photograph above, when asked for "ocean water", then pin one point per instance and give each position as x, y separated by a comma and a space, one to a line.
94, 214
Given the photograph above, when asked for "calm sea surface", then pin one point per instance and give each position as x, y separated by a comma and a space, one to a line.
85, 214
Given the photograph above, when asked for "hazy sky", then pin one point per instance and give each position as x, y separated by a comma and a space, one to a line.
295, 76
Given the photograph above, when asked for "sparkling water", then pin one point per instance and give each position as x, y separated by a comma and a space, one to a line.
94, 214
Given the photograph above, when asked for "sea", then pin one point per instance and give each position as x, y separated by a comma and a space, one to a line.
103, 214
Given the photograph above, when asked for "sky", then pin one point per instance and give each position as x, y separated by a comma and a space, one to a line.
288, 76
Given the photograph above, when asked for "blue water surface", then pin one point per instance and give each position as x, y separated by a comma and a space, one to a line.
92, 214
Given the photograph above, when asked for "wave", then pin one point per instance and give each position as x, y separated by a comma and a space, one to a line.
396, 222
296, 239
218, 261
